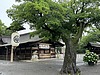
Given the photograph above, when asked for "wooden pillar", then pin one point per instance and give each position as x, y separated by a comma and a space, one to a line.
54, 52
30, 52
15, 53
25, 53
38, 52
6, 53
44, 51
50, 51
19, 53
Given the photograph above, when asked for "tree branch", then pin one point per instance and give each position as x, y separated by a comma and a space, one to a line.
79, 33
47, 28
82, 7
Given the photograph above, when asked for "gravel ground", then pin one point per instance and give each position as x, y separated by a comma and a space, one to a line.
44, 67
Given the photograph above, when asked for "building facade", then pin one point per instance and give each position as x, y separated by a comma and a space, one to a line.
28, 47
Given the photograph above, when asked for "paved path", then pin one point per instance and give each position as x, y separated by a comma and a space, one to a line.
44, 67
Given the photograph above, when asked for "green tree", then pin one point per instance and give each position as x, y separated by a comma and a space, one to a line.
93, 36
59, 20
3, 29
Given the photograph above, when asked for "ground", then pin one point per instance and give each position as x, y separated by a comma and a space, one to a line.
44, 67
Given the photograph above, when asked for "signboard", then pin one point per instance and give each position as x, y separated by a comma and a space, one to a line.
15, 39
44, 46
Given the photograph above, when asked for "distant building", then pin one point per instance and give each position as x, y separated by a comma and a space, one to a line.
93, 47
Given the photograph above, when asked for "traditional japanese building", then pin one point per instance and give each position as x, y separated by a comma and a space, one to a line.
28, 47
93, 47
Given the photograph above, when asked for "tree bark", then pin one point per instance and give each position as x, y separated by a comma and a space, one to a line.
69, 64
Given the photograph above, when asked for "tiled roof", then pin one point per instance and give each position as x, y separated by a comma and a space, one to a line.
97, 44
23, 39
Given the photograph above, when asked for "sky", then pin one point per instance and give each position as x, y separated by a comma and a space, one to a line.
4, 5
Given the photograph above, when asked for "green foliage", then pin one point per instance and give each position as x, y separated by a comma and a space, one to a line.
93, 36
44, 16
90, 57
57, 20
15, 26
3, 30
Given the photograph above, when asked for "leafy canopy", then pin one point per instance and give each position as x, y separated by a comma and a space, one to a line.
54, 20
3, 30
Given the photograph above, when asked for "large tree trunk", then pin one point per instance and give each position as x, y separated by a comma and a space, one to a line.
69, 64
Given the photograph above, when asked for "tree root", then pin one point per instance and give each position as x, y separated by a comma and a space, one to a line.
70, 71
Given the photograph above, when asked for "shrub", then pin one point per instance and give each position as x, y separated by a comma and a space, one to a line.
90, 57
